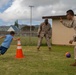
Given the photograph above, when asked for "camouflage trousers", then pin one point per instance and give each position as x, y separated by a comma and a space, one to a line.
47, 41
75, 52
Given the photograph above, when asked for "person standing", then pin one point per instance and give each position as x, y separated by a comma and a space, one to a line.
44, 31
71, 24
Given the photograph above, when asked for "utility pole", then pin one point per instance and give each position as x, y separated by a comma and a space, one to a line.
30, 21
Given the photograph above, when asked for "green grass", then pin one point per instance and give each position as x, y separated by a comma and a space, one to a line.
44, 62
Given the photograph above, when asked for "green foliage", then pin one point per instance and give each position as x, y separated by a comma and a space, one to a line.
16, 23
27, 28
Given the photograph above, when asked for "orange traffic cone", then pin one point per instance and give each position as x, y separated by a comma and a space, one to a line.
19, 53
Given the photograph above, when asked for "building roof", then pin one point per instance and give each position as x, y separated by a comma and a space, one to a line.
13, 28
55, 17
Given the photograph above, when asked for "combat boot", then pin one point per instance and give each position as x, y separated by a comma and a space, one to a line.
74, 64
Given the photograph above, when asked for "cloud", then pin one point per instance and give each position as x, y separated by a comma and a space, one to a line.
20, 9
38, 2
3, 2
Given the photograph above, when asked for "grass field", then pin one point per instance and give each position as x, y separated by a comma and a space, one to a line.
25, 41
43, 62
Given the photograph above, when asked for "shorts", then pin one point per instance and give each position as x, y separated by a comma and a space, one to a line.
3, 50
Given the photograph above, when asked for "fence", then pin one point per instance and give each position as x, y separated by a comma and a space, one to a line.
20, 34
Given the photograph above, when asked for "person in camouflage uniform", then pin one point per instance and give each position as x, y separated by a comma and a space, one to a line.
71, 24
44, 31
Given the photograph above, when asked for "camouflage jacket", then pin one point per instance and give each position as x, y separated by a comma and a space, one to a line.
45, 30
71, 24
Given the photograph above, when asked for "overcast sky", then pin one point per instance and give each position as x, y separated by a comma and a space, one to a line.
11, 10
